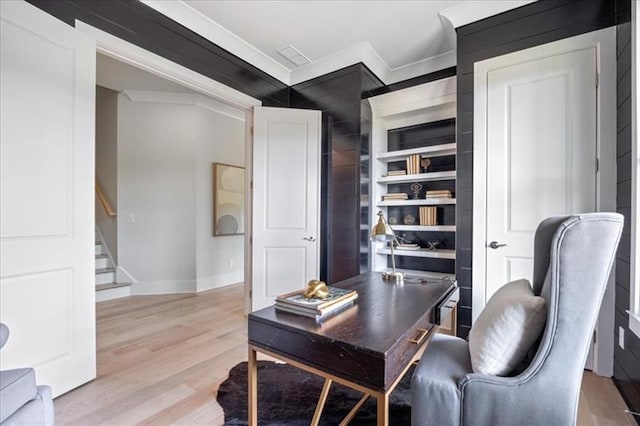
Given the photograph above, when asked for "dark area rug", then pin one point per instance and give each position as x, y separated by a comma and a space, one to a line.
288, 396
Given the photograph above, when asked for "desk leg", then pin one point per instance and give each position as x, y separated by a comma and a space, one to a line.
252, 375
383, 409
321, 402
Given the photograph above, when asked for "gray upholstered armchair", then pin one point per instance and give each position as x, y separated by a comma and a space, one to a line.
21, 401
572, 261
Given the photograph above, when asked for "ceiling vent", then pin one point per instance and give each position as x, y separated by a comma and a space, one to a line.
294, 56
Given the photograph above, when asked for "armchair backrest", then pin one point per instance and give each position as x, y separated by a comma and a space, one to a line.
573, 256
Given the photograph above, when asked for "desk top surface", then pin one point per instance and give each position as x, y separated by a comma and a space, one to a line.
381, 315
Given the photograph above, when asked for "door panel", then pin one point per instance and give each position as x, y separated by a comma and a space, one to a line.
286, 191
47, 292
541, 154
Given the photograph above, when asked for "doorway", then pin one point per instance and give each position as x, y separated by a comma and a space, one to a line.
544, 133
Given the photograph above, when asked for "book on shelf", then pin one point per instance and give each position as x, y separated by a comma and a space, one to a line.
444, 193
404, 246
296, 303
395, 196
413, 164
428, 216
396, 172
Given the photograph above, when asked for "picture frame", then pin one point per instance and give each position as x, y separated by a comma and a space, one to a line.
228, 200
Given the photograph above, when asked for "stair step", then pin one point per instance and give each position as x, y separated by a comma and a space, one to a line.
112, 290
105, 275
107, 286
102, 261
99, 248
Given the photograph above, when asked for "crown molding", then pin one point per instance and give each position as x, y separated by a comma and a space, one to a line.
185, 15
470, 11
450, 19
147, 96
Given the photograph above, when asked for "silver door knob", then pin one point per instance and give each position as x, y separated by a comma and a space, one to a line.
495, 245
312, 239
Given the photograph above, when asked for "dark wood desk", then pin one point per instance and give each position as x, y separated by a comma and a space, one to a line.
368, 347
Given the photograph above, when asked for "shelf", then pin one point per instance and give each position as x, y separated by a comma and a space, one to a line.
418, 177
427, 151
436, 254
438, 228
420, 202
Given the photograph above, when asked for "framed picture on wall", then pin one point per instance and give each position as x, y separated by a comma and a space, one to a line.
228, 200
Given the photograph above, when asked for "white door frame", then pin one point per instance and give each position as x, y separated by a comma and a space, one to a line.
138, 57
604, 42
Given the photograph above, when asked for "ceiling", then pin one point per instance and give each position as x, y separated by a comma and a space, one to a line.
397, 40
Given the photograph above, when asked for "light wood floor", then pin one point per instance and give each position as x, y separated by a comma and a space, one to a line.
162, 358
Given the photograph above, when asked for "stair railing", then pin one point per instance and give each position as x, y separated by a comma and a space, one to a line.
104, 201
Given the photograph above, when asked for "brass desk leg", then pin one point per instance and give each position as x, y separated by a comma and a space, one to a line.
382, 400
321, 401
252, 375
354, 410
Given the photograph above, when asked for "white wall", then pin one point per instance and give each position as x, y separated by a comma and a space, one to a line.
106, 164
214, 254
165, 151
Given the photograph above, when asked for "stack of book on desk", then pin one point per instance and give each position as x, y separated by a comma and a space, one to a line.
296, 303
395, 196
441, 193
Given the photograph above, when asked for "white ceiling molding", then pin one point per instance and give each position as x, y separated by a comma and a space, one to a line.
204, 102
468, 12
140, 58
216, 33
450, 18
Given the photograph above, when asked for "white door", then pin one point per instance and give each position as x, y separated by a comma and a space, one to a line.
47, 90
286, 201
541, 154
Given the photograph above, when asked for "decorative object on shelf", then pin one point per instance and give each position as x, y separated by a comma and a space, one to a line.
432, 245
382, 232
416, 188
228, 200
425, 163
316, 288
440, 193
393, 220
428, 216
409, 220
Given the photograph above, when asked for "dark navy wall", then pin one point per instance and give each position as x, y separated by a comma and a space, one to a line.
626, 368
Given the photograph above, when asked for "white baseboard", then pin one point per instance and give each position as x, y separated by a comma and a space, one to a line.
204, 284
163, 287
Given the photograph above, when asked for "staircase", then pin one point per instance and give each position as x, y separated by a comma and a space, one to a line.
107, 285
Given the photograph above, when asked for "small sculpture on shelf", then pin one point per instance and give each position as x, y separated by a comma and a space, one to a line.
393, 220
416, 188
409, 220
432, 245
425, 163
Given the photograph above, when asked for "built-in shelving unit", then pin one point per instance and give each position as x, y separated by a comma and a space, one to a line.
423, 126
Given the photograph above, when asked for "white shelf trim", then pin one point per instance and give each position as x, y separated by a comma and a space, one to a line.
438, 228
420, 202
437, 254
418, 177
428, 151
